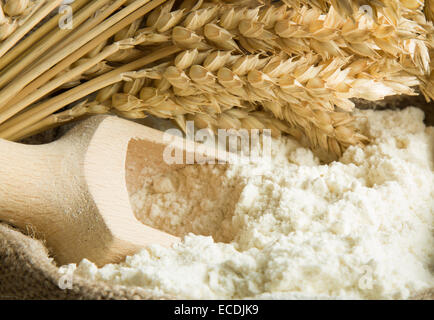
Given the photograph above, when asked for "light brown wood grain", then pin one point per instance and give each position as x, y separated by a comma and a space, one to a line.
73, 193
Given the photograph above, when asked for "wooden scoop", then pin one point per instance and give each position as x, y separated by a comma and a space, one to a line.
73, 192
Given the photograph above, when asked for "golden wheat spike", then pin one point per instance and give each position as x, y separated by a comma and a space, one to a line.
219, 68
313, 73
292, 66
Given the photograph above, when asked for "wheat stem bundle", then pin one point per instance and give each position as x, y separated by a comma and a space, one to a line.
44, 109
33, 38
318, 62
97, 35
293, 67
71, 74
34, 14
72, 58
55, 36
13, 14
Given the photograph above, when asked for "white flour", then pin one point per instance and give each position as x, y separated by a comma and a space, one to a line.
291, 228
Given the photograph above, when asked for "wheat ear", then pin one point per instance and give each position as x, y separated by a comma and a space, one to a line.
28, 25
225, 64
293, 68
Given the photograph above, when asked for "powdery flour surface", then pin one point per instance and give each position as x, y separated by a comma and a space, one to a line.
291, 228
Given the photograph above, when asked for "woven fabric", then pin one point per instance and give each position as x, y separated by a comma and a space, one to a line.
27, 272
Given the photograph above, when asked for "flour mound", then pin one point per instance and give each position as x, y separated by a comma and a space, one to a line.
292, 228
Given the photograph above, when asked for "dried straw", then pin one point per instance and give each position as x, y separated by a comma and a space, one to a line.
48, 107
15, 13
429, 10
54, 37
32, 14
293, 67
95, 37
24, 45
296, 63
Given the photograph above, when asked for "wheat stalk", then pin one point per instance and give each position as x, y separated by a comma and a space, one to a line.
63, 58
225, 64
32, 15
31, 40
429, 10
15, 13
65, 64
292, 67
46, 108
81, 110
55, 36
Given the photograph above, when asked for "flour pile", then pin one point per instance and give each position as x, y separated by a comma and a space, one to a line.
291, 228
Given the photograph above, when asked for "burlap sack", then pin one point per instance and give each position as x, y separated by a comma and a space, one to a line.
27, 272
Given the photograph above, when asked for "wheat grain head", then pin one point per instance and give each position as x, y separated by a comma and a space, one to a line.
14, 13
291, 61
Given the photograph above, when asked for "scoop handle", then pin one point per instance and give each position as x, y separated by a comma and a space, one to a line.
30, 182
45, 191
43, 188
73, 194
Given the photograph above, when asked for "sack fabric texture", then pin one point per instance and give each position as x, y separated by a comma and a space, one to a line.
27, 271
